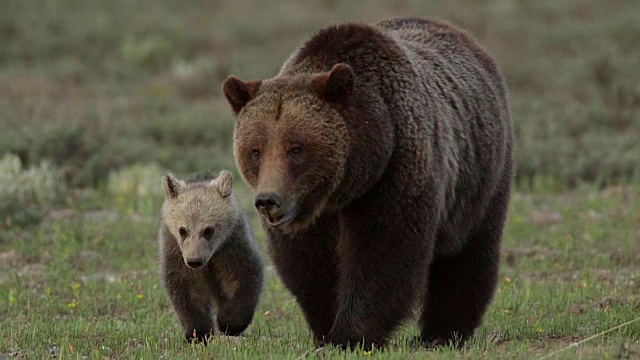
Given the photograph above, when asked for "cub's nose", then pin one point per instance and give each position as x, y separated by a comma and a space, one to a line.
194, 262
268, 202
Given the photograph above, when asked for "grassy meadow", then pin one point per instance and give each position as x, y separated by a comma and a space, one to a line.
98, 99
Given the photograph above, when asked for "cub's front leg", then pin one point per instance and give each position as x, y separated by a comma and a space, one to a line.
238, 284
190, 299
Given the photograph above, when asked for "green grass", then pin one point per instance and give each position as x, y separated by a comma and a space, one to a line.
87, 284
98, 98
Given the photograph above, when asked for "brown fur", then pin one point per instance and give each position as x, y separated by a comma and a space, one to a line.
230, 272
381, 159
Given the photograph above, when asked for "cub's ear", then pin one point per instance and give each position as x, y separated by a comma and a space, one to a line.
335, 85
224, 183
238, 93
172, 186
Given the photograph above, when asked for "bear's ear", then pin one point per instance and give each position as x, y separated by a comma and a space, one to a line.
336, 85
224, 183
172, 186
238, 93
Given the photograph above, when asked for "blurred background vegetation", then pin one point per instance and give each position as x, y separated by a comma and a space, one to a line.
100, 98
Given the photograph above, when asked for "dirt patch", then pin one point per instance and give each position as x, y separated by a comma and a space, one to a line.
9, 259
537, 253
545, 218
28, 271
622, 257
17, 354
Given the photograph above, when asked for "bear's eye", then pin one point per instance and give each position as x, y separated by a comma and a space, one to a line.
208, 232
183, 232
255, 154
295, 152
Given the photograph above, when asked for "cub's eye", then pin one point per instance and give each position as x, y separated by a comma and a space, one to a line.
208, 232
295, 152
183, 232
255, 154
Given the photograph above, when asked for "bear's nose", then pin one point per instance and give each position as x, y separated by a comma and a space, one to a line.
268, 201
195, 262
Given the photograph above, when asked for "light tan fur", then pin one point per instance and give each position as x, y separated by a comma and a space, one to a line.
208, 255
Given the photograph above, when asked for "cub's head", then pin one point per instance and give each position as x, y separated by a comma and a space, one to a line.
200, 215
290, 142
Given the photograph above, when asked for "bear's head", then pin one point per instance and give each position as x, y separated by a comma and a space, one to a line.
200, 216
291, 142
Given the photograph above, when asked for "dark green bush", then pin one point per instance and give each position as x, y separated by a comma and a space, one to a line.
93, 86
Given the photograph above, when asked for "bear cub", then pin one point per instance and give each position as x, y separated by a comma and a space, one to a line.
208, 255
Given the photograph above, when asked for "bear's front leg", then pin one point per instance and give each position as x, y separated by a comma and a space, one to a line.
235, 314
190, 300
306, 263
239, 282
382, 268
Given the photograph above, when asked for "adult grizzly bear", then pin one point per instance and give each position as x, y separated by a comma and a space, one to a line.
381, 159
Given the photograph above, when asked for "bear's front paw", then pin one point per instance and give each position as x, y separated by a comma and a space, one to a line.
453, 340
326, 341
196, 336
231, 329
349, 342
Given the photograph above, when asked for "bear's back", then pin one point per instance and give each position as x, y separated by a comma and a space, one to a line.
201, 177
366, 48
437, 40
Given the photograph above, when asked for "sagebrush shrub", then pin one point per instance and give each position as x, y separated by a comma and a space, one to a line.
137, 189
27, 194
